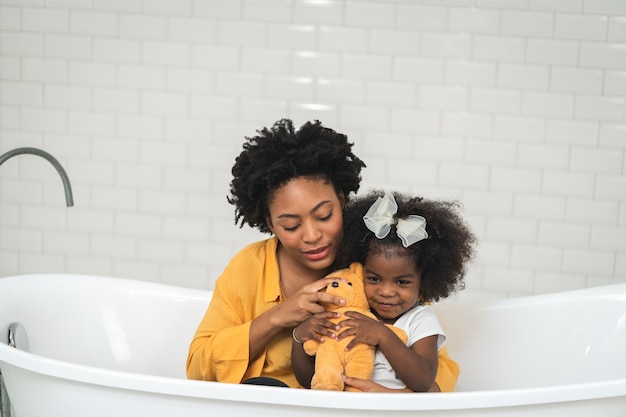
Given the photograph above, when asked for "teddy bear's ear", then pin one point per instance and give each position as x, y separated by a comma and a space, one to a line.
357, 268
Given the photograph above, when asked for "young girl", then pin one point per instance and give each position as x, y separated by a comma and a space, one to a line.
414, 251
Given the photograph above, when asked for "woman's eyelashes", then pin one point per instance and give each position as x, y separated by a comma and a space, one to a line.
296, 226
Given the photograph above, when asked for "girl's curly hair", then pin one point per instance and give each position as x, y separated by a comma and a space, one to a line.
441, 259
279, 154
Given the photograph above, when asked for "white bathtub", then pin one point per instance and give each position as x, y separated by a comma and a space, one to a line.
112, 347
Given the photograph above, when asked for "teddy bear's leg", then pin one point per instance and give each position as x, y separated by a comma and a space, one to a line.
328, 372
360, 364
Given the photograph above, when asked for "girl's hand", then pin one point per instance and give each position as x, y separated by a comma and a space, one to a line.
317, 327
366, 385
364, 329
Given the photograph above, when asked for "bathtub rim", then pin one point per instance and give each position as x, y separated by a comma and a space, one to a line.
315, 399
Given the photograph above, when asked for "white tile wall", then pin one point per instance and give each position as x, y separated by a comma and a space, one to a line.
515, 107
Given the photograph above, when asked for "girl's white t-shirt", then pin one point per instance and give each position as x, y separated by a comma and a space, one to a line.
418, 323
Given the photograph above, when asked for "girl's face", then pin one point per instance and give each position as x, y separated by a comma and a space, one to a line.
307, 218
392, 285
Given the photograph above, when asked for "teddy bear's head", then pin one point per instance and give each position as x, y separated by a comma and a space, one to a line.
351, 288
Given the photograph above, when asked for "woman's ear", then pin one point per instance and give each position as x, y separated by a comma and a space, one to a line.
270, 226
342, 199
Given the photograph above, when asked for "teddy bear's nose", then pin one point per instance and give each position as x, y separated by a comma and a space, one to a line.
335, 284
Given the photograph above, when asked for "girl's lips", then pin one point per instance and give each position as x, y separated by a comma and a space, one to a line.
317, 254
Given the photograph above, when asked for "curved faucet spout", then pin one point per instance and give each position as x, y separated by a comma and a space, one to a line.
69, 199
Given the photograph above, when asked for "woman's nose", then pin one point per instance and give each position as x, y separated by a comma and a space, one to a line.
311, 233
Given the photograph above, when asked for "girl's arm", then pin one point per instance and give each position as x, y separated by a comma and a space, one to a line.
416, 366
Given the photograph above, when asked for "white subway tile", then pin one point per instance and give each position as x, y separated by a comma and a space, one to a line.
322, 12
501, 229
215, 57
615, 82
263, 109
546, 207
113, 149
464, 123
548, 104
571, 79
527, 23
588, 262
63, 46
87, 220
44, 217
543, 156
27, 44
495, 101
185, 130
292, 36
601, 108
66, 242
474, 20
89, 265
557, 5
579, 26
611, 186
422, 17
365, 66
267, 10
464, 175
15, 92
45, 20
21, 239
499, 48
123, 101
419, 70
11, 69
44, 120
10, 117
549, 51
105, 197
10, 18
186, 179
448, 45
617, 28
185, 276
391, 93
217, 8
167, 154
508, 279
491, 152
465, 72
525, 77
93, 173
495, 254
558, 282
164, 104
540, 257
568, 184
161, 202
92, 74
592, 211
417, 121
572, 132
173, 54
87, 122
118, 5
137, 176
519, 129
597, 160
40, 263
232, 32
161, 250
305, 111
136, 76
605, 6
564, 234
249, 84
45, 70
93, 23
352, 40
395, 42
370, 15
117, 50
511, 178
138, 224
603, 55
168, 7
612, 135
189, 81
274, 61
403, 171
117, 247
213, 107
189, 228
135, 26
443, 97
192, 29
445, 148
56, 96
385, 144
365, 117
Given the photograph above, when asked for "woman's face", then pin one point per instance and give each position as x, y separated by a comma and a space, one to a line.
306, 216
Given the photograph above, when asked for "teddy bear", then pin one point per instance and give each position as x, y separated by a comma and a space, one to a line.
332, 360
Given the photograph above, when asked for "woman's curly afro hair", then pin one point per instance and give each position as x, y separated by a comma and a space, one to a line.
279, 154
441, 258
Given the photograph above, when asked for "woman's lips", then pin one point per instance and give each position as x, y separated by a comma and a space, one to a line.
317, 254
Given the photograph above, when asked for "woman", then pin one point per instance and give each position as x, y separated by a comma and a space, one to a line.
293, 184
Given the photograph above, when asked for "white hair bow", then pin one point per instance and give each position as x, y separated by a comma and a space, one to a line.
380, 217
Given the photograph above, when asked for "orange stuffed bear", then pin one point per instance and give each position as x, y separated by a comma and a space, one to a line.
332, 359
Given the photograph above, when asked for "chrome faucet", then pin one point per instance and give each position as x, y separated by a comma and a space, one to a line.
69, 199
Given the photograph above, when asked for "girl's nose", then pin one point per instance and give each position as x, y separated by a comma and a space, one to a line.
386, 290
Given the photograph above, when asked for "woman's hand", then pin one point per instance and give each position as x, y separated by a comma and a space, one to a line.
366, 385
307, 302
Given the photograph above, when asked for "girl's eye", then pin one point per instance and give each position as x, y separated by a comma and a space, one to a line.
371, 279
401, 282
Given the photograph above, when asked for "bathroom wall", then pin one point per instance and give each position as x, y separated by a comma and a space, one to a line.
517, 108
